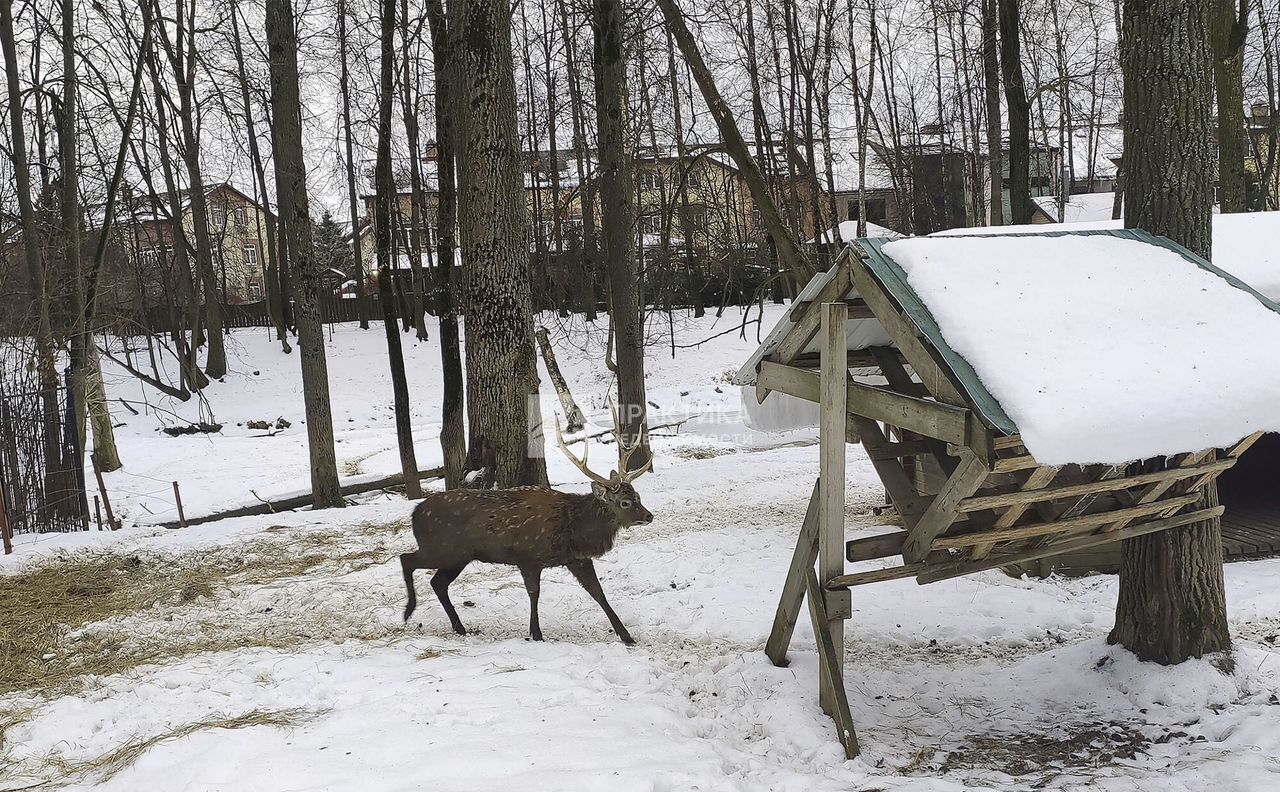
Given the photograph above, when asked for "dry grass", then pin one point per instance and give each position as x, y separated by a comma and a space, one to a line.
1044, 757
104, 767
44, 612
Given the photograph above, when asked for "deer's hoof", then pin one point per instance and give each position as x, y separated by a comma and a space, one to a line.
627, 639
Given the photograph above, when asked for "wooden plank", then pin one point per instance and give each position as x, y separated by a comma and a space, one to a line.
869, 547
936, 572
1015, 464
876, 575
904, 333
832, 420
808, 317
1033, 530
966, 479
922, 416
831, 668
1108, 485
792, 597
1006, 443
902, 491
1040, 478
906, 448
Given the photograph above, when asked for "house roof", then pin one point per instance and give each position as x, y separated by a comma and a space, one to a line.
1066, 339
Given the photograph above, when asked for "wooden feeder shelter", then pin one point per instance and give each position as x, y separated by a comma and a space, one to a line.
859, 342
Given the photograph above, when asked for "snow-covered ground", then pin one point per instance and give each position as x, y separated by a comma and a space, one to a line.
280, 676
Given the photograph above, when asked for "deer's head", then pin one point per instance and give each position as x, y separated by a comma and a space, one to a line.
615, 491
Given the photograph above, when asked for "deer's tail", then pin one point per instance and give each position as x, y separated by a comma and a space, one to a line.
409, 562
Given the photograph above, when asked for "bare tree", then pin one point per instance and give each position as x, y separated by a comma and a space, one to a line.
291, 184
502, 378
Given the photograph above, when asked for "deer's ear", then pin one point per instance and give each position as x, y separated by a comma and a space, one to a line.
599, 490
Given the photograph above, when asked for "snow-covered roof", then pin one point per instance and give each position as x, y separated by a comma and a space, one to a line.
1102, 347
1095, 347
1243, 244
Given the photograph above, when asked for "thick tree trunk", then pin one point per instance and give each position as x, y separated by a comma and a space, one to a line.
790, 253
291, 181
1015, 96
995, 143
1171, 605
502, 376
1230, 27
618, 217
453, 437
384, 206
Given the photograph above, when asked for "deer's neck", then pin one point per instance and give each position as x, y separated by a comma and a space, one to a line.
593, 528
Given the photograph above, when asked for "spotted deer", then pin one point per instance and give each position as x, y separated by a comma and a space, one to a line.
531, 528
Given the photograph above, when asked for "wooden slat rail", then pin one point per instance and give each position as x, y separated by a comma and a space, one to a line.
1088, 521
922, 416
936, 572
1108, 485
875, 576
879, 546
1039, 478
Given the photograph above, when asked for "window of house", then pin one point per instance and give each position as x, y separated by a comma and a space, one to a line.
241, 215
217, 214
251, 254
253, 287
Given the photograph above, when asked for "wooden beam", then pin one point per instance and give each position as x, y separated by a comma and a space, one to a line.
792, 597
1040, 478
876, 576
904, 334
930, 418
831, 667
1033, 530
832, 420
1106, 485
936, 572
807, 317
905, 448
902, 490
869, 547
966, 479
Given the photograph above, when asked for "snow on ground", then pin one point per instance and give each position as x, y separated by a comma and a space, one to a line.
1081, 207
1102, 349
275, 678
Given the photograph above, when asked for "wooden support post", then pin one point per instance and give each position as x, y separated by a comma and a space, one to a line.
102, 490
177, 498
831, 666
806, 553
6, 533
831, 475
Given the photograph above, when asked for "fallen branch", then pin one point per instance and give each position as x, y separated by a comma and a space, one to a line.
300, 501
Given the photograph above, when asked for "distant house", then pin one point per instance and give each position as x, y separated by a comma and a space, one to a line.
143, 232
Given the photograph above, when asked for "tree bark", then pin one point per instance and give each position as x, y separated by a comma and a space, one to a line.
453, 437
1230, 28
995, 143
502, 378
618, 215
353, 205
1015, 96
291, 182
1172, 604
383, 208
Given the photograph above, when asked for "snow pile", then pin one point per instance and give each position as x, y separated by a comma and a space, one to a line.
1101, 349
1081, 207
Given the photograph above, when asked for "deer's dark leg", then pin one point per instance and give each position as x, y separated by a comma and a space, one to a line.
585, 572
409, 563
440, 584
533, 584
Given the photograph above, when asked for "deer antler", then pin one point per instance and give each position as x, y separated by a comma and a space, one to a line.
581, 464
626, 451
